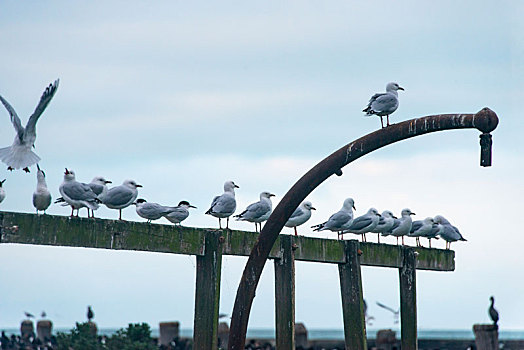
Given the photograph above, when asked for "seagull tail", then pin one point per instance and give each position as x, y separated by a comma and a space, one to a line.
18, 157
368, 111
209, 211
318, 227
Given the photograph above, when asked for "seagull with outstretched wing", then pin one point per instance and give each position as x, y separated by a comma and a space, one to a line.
19, 155
394, 312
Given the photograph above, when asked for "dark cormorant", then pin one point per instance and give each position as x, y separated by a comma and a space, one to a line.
493, 313
90, 313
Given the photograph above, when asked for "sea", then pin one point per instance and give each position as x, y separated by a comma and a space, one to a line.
322, 334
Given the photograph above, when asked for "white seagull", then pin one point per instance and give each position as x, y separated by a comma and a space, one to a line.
365, 223
421, 228
224, 206
120, 197
402, 226
300, 215
19, 154
449, 232
151, 211
180, 212
339, 221
77, 194
383, 104
2, 191
41, 196
385, 223
99, 186
258, 212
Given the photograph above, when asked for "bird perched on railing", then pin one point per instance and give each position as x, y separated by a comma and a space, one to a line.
300, 215
383, 104
493, 313
385, 223
258, 212
180, 212
421, 228
449, 232
339, 221
99, 186
120, 197
364, 223
224, 206
151, 211
77, 194
402, 226
2, 190
41, 196
19, 154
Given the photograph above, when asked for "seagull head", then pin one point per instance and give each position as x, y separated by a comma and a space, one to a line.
349, 203
185, 204
69, 174
308, 206
373, 211
139, 201
393, 87
100, 180
229, 186
131, 184
266, 194
429, 220
388, 214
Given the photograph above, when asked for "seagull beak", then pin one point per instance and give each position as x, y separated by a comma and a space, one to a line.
394, 217
401, 88
313, 208
38, 167
134, 203
66, 171
379, 215
192, 206
271, 195
236, 186
354, 207
108, 182
412, 214
137, 185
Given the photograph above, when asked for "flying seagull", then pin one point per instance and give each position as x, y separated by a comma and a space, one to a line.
19, 154
383, 104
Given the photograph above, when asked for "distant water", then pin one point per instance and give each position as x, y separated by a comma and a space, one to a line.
316, 334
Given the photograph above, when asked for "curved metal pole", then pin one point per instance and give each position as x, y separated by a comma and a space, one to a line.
485, 120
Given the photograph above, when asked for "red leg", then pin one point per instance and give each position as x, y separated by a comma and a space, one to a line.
296, 234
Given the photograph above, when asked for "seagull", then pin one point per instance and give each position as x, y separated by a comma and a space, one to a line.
42, 196
383, 104
449, 232
90, 313
179, 213
99, 186
28, 314
224, 206
77, 194
394, 312
120, 197
43, 314
339, 221
436, 229
421, 228
19, 154
385, 223
402, 226
300, 215
2, 191
365, 223
151, 211
493, 313
258, 212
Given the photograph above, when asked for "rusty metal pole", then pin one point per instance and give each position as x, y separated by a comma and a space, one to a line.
485, 120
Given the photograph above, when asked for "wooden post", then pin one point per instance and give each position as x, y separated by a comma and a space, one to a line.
486, 336
408, 300
168, 332
207, 293
352, 300
285, 295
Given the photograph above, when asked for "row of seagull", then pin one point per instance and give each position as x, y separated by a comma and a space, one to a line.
81, 195
21, 156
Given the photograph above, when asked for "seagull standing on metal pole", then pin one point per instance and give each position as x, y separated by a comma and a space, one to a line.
383, 104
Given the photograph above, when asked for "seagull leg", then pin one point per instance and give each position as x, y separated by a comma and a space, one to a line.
342, 235
26, 169
10, 168
403, 240
227, 222
219, 223
119, 214
296, 234
72, 211
397, 240
381, 122
378, 237
388, 119
430, 242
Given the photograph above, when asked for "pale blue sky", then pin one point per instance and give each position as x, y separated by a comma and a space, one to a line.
181, 96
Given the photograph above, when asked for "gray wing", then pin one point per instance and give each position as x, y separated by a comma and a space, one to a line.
338, 219
44, 101
213, 203
395, 225
257, 209
385, 102
79, 191
224, 204
374, 98
298, 212
14, 118
97, 188
155, 209
361, 222
415, 225
119, 195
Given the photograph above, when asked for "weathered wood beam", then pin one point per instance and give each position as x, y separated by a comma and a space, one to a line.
408, 300
207, 293
352, 299
130, 235
285, 295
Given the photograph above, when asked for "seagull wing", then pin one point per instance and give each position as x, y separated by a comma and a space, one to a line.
117, 196
298, 212
14, 118
79, 191
44, 101
386, 307
361, 222
415, 226
385, 102
337, 220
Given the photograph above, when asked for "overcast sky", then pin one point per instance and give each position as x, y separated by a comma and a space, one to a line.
182, 96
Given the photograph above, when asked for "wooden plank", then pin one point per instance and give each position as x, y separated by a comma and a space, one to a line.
408, 300
352, 299
285, 295
207, 293
130, 235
